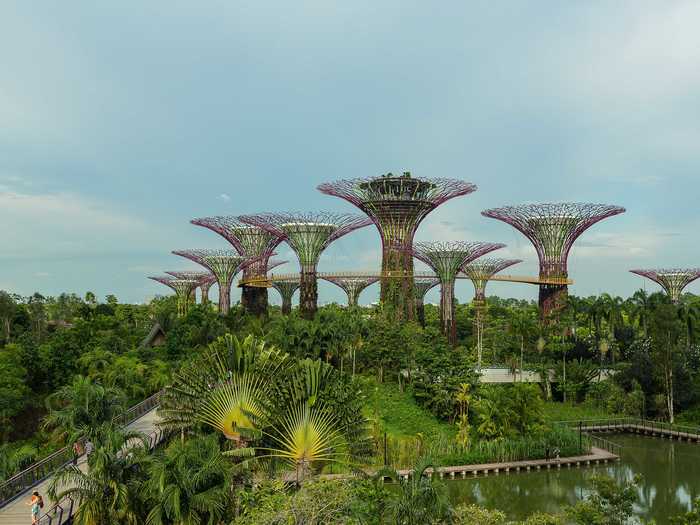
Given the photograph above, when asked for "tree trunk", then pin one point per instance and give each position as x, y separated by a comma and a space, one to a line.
308, 293
565, 386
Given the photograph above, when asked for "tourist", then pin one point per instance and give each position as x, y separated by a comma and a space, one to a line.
77, 452
37, 503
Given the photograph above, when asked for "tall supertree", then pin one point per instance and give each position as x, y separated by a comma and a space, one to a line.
308, 234
249, 241
479, 272
421, 286
286, 288
553, 229
204, 282
182, 288
446, 259
397, 204
352, 286
224, 264
672, 280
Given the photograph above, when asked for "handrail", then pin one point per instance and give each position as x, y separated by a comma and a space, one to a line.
651, 424
62, 511
42, 469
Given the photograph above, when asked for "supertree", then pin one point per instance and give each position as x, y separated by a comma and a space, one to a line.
182, 288
224, 264
286, 288
553, 229
249, 241
397, 204
672, 280
204, 282
308, 234
479, 272
446, 259
421, 286
352, 286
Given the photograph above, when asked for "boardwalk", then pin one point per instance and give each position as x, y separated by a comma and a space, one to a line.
638, 426
18, 513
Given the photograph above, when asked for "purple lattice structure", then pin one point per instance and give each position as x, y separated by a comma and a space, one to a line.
446, 259
397, 204
224, 264
204, 282
286, 289
421, 286
553, 229
249, 241
182, 288
352, 286
274, 263
672, 280
307, 234
482, 270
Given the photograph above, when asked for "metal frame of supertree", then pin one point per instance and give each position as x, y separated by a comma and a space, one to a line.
672, 280
421, 286
286, 289
204, 282
274, 263
249, 241
397, 204
446, 259
307, 234
224, 264
479, 272
352, 286
553, 228
182, 288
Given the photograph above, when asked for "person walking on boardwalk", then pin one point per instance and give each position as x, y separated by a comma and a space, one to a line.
37, 503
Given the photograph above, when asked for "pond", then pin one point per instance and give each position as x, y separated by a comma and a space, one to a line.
670, 470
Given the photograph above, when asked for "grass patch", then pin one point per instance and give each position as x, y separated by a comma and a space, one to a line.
398, 413
555, 411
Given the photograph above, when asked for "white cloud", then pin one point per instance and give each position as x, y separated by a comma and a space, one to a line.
225, 197
63, 223
42, 274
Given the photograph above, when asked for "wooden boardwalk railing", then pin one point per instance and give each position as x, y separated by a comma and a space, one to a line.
637, 426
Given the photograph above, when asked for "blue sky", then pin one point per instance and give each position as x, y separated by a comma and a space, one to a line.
121, 121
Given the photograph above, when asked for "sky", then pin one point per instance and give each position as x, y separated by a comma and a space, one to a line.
121, 121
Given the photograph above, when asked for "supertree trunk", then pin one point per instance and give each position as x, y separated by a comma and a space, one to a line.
420, 312
447, 306
308, 293
397, 282
254, 299
286, 306
552, 297
204, 288
225, 296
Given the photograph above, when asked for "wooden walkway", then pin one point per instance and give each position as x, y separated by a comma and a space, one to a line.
18, 512
654, 429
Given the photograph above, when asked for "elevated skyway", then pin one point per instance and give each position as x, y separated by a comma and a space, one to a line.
17, 491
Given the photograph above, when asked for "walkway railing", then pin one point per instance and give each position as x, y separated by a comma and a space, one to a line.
42, 469
625, 424
62, 512
599, 442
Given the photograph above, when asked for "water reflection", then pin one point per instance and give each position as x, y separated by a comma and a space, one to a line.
671, 481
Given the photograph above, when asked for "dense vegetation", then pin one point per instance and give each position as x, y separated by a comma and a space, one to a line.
252, 402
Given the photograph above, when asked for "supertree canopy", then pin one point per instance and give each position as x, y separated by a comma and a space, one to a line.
308, 234
183, 289
553, 229
481, 270
286, 288
249, 241
421, 286
352, 286
397, 204
672, 280
446, 259
204, 281
224, 264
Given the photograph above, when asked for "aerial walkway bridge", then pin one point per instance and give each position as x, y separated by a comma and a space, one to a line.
265, 281
16, 491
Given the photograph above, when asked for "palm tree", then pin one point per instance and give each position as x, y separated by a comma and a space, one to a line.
79, 408
419, 500
188, 483
109, 492
689, 315
8, 308
640, 310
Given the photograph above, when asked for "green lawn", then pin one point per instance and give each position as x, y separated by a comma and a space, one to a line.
554, 411
398, 413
